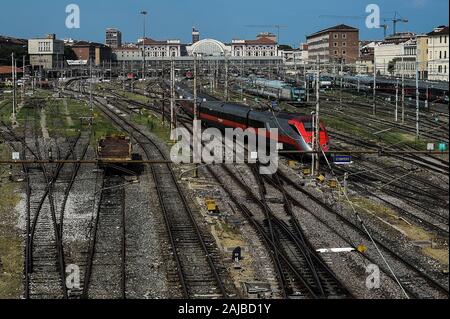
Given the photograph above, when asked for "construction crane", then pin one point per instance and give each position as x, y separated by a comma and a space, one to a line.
396, 20
385, 26
278, 27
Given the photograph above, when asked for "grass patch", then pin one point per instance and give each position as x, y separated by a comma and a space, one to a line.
412, 232
154, 124
390, 137
133, 96
343, 126
11, 252
5, 110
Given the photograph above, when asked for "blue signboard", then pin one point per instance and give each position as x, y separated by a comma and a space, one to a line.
275, 105
442, 147
342, 159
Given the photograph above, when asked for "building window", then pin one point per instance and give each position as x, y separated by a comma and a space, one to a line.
336, 52
344, 52
445, 69
344, 36
440, 69
440, 54
336, 36
335, 44
344, 44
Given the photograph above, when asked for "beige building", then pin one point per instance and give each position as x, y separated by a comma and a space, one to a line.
422, 56
265, 45
153, 50
438, 54
160, 49
46, 53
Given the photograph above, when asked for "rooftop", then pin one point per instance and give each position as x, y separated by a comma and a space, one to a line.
87, 44
340, 27
150, 41
6, 69
441, 30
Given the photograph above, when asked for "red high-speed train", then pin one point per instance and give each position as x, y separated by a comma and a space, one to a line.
295, 131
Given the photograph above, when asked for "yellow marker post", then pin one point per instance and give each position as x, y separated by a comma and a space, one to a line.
362, 249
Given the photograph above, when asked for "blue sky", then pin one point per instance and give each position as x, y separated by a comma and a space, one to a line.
219, 19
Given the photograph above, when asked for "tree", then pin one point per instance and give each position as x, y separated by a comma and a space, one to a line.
7, 50
284, 47
391, 67
69, 54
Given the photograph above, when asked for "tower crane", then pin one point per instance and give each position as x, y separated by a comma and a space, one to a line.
395, 20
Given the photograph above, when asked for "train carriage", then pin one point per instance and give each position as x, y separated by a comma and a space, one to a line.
295, 131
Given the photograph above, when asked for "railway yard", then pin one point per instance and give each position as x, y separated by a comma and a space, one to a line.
77, 226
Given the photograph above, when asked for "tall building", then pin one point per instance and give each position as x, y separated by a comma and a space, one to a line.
438, 54
195, 35
422, 56
46, 53
113, 38
334, 45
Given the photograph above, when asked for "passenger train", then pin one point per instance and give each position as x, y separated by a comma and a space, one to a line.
437, 92
295, 131
273, 89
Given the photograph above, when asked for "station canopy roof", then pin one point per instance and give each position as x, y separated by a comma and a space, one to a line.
209, 47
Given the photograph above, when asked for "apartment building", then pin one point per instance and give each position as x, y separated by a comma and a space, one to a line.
338, 44
113, 38
438, 54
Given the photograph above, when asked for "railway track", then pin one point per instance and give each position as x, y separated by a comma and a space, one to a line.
199, 276
406, 267
44, 250
105, 275
417, 273
411, 278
